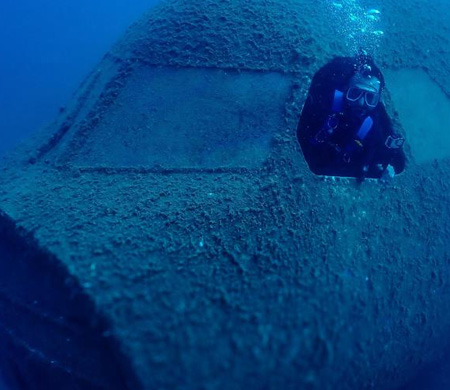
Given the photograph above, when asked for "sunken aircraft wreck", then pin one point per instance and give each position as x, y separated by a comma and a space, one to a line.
165, 232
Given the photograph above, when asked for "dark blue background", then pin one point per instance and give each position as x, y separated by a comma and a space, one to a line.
47, 47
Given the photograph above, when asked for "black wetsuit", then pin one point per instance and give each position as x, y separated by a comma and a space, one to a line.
327, 158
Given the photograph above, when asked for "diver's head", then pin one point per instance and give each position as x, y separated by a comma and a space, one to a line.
363, 92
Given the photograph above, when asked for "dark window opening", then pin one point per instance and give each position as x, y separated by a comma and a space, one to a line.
343, 132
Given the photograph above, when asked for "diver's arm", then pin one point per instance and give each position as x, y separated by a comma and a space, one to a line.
394, 157
368, 161
370, 148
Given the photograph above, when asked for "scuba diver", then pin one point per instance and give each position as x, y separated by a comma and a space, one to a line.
344, 129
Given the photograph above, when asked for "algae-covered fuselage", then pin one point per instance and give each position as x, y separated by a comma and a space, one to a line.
172, 212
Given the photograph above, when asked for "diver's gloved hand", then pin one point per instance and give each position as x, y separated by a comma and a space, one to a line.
388, 174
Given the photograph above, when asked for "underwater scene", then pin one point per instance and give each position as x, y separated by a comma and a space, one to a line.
225, 195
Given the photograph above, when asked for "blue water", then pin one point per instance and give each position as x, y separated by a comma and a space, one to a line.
46, 48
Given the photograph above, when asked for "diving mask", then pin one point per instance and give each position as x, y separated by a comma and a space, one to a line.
364, 86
